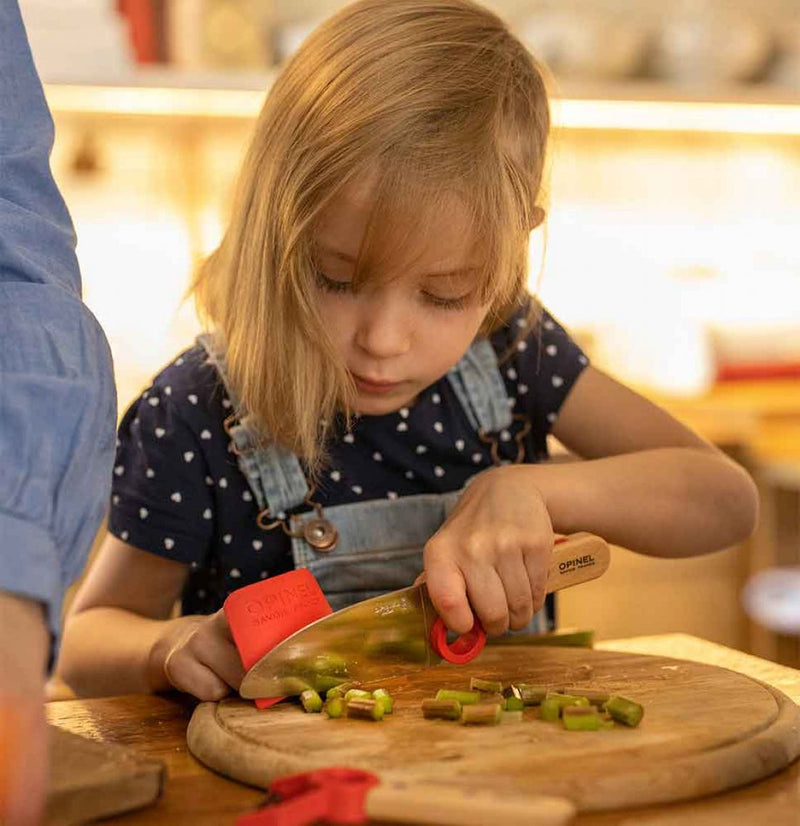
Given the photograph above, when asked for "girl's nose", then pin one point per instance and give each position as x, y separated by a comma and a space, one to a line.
384, 329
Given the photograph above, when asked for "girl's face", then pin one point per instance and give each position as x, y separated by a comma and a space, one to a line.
396, 335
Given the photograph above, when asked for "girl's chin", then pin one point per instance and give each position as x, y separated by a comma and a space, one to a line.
378, 406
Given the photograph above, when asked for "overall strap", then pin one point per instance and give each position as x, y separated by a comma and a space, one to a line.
479, 386
273, 473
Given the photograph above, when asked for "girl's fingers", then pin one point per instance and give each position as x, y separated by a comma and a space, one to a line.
193, 677
487, 596
536, 566
214, 648
448, 593
515, 577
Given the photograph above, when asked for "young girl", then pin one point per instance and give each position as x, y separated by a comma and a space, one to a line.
375, 393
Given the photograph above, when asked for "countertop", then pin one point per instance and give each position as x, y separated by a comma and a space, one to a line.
155, 726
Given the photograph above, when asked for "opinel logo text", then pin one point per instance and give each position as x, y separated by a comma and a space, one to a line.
575, 564
281, 603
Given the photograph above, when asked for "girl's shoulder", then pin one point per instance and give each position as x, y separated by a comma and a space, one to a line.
189, 370
531, 329
539, 362
190, 384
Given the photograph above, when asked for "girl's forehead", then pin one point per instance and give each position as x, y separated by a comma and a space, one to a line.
433, 238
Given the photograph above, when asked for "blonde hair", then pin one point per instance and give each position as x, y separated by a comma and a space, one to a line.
443, 101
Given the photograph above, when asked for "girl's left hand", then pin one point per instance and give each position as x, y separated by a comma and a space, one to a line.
491, 555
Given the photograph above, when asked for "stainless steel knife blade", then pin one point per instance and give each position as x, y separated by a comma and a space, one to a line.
385, 635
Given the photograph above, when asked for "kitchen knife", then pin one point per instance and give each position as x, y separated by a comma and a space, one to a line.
395, 633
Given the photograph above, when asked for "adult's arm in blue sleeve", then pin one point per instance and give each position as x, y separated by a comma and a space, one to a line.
57, 398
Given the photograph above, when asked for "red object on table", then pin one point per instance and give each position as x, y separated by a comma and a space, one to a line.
334, 795
265, 613
754, 371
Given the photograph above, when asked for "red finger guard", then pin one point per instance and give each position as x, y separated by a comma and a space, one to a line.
462, 650
333, 795
264, 614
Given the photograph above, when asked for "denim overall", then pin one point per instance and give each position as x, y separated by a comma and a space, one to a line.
380, 542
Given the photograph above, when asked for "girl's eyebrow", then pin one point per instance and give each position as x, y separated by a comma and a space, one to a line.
351, 260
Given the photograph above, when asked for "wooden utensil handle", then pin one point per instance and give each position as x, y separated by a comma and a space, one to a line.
580, 557
430, 803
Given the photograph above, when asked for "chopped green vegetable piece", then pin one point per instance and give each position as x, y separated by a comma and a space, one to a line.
294, 686
577, 718
464, 697
357, 693
341, 689
489, 686
325, 683
564, 700
328, 664
531, 695
482, 714
513, 699
514, 704
511, 717
624, 711
335, 707
493, 698
382, 696
311, 701
365, 709
592, 695
320, 672
550, 710
441, 709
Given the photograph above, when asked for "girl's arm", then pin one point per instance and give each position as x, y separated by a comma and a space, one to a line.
120, 637
650, 484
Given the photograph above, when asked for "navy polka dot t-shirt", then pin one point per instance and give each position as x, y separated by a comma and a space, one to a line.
178, 492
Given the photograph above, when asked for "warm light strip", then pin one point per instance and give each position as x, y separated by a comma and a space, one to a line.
568, 113
155, 101
678, 116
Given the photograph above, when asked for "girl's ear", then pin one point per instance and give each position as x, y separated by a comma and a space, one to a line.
537, 217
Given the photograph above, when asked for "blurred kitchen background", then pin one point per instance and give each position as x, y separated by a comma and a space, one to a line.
672, 250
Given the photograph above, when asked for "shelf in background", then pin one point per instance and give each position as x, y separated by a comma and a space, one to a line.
635, 105
164, 93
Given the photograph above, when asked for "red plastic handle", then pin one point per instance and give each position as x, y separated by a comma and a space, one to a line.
332, 794
462, 650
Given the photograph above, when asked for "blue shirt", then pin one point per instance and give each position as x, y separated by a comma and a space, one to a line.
57, 395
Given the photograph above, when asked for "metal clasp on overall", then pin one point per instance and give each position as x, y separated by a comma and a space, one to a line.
320, 533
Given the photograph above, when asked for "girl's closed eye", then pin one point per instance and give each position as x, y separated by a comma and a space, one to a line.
442, 302
333, 285
447, 303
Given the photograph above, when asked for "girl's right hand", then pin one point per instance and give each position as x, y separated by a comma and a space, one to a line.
201, 657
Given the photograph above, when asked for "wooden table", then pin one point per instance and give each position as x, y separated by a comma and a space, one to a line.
156, 727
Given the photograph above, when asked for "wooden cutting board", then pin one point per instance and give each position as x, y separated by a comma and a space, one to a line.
90, 779
706, 729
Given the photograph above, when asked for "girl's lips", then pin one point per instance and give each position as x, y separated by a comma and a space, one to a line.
376, 387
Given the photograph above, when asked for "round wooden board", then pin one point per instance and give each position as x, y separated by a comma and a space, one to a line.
706, 729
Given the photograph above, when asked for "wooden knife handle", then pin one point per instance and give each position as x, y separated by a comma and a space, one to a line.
446, 805
577, 558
